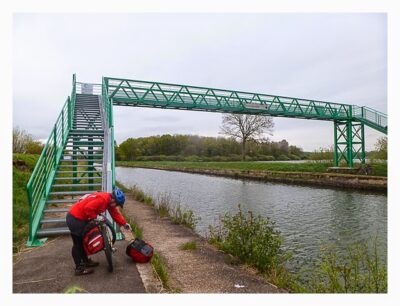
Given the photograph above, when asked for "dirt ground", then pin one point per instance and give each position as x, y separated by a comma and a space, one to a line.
203, 270
50, 269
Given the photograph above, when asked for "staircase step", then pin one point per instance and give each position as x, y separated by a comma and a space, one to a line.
44, 232
76, 178
76, 185
98, 165
80, 155
89, 171
70, 192
52, 220
56, 210
61, 201
86, 160
85, 145
79, 132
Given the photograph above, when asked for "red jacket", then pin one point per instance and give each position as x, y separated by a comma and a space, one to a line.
89, 206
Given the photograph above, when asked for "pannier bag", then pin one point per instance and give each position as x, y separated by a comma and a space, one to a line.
139, 250
93, 241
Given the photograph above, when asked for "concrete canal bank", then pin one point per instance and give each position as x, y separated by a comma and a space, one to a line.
349, 181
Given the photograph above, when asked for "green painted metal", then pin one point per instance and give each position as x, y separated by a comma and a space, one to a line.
349, 143
41, 180
346, 117
174, 96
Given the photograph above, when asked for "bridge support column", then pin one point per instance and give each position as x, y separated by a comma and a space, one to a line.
349, 144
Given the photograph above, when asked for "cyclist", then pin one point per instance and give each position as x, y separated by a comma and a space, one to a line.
82, 212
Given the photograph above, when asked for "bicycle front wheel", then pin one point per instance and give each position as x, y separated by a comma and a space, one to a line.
108, 248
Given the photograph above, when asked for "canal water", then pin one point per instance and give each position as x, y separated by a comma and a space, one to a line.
308, 217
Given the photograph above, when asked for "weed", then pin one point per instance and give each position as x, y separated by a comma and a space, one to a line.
358, 270
184, 217
191, 245
160, 269
75, 289
21, 176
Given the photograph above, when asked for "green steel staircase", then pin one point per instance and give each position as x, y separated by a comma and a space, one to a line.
79, 156
73, 163
80, 168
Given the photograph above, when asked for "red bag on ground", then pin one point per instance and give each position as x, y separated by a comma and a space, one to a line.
93, 241
139, 250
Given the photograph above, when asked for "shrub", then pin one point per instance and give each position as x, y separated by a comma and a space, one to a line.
282, 157
294, 157
359, 270
254, 240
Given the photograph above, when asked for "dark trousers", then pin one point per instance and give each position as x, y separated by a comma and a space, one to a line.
77, 227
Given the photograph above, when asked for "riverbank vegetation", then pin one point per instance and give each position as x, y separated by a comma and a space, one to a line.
377, 169
255, 241
199, 148
23, 165
165, 206
193, 148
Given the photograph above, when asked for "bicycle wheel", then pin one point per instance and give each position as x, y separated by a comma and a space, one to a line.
107, 247
111, 231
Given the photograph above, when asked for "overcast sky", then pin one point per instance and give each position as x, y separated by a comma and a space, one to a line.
332, 57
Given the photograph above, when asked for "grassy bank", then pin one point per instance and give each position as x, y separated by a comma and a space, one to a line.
23, 165
378, 169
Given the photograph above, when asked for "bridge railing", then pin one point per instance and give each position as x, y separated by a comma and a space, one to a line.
40, 182
88, 88
167, 95
371, 116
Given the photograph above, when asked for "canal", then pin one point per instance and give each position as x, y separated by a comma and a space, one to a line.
308, 217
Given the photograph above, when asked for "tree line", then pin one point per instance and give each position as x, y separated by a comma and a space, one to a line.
193, 147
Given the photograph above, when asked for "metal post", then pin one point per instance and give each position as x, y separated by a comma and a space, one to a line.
362, 144
62, 125
349, 133
55, 146
335, 145
69, 114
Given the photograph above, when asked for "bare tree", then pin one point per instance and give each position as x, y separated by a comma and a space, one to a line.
245, 127
21, 139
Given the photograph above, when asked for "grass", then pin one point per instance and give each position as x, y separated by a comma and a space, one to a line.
23, 165
191, 245
165, 207
160, 269
75, 289
378, 169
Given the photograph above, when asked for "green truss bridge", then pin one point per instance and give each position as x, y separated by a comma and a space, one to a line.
79, 155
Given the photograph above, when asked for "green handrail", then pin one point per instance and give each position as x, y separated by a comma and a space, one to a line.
41, 180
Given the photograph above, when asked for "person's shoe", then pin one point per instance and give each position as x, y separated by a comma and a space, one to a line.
83, 271
91, 263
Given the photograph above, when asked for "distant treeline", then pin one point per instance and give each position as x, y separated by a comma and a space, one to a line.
193, 148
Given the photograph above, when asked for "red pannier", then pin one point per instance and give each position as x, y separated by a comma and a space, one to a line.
93, 241
139, 250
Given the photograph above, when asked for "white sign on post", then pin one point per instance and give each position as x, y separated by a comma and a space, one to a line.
87, 89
